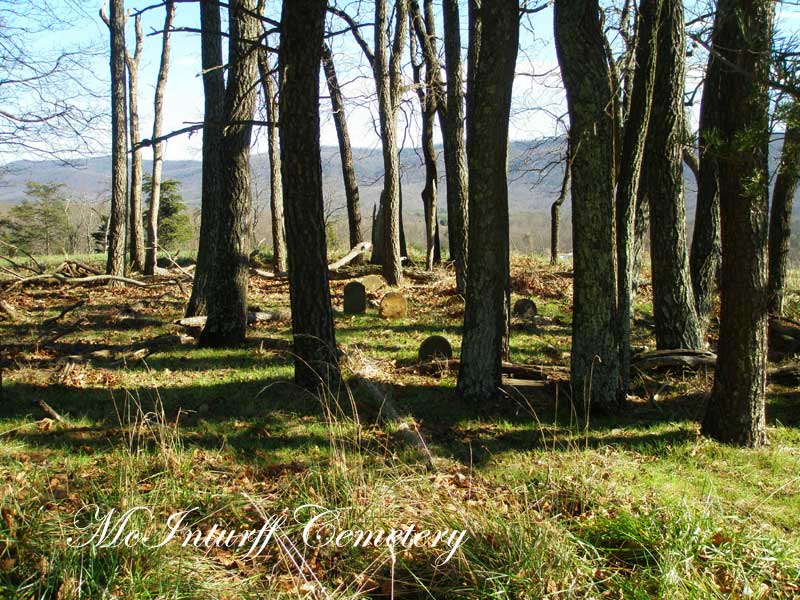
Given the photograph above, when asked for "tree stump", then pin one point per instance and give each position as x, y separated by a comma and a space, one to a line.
435, 347
525, 308
355, 298
372, 283
393, 306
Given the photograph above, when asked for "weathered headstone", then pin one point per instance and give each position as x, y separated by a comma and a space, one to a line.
525, 308
355, 298
393, 306
372, 283
435, 347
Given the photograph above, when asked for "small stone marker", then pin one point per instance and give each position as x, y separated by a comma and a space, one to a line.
355, 298
525, 308
372, 283
394, 306
435, 347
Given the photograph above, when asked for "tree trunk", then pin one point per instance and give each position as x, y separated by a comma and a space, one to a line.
673, 300
158, 147
345, 151
136, 234
587, 80
742, 37
555, 208
705, 252
781, 211
388, 80
275, 180
214, 92
312, 318
115, 264
633, 148
227, 285
454, 152
486, 312
428, 107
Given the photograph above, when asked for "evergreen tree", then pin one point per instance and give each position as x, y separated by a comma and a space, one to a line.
174, 226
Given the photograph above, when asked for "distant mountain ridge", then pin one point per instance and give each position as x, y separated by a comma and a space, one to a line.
535, 175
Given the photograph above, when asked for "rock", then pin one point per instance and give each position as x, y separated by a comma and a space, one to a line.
435, 347
394, 306
525, 308
372, 283
355, 298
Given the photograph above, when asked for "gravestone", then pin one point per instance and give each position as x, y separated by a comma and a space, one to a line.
393, 306
525, 308
355, 298
435, 347
372, 283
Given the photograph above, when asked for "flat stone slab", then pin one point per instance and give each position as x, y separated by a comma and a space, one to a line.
372, 283
436, 347
355, 298
393, 306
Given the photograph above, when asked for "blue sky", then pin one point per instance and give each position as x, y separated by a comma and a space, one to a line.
538, 97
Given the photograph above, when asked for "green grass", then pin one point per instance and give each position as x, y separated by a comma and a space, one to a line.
638, 506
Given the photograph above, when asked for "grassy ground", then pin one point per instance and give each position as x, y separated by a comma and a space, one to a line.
635, 507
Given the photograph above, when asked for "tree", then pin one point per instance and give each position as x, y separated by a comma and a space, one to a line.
115, 265
275, 181
387, 80
781, 210
453, 133
486, 315
158, 145
174, 228
214, 103
39, 224
428, 94
136, 225
705, 252
742, 41
345, 150
673, 301
315, 361
226, 296
628, 218
580, 46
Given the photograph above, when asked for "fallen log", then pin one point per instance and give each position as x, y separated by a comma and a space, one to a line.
85, 280
362, 248
784, 336
527, 372
680, 358
252, 317
788, 375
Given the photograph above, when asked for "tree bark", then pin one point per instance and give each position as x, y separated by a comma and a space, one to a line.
388, 80
115, 264
555, 208
136, 224
633, 149
345, 151
485, 339
705, 251
673, 301
781, 212
275, 180
428, 102
742, 37
312, 317
454, 149
151, 252
587, 80
214, 103
227, 285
